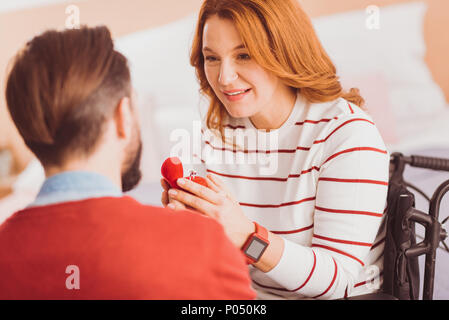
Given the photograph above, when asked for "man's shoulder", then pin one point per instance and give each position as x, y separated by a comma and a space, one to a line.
129, 207
123, 219
124, 210
170, 216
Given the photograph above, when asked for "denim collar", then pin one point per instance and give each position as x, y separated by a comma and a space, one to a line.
74, 186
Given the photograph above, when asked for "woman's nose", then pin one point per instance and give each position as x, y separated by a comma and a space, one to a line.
228, 74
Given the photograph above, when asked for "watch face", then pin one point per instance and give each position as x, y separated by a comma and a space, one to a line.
256, 248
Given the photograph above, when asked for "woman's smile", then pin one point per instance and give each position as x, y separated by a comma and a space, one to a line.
236, 95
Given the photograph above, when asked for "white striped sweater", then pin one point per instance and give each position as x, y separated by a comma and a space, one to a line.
320, 182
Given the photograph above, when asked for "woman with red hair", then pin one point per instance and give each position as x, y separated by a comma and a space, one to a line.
310, 225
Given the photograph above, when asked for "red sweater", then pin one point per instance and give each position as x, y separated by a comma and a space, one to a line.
123, 250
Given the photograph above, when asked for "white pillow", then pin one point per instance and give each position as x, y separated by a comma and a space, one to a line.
166, 85
159, 60
397, 49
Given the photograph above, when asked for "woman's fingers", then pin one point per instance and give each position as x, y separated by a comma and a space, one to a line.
212, 184
167, 201
200, 191
220, 185
193, 201
164, 184
216, 180
164, 198
176, 205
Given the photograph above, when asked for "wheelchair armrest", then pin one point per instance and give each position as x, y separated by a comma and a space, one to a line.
373, 296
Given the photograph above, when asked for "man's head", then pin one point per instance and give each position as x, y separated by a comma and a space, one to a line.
69, 94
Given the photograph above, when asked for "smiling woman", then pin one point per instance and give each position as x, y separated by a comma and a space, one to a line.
243, 87
313, 226
278, 63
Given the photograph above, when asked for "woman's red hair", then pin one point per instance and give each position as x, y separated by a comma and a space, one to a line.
280, 37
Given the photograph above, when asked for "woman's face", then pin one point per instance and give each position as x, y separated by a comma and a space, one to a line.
243, 86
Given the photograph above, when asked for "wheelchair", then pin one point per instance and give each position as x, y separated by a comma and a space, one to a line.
401, 270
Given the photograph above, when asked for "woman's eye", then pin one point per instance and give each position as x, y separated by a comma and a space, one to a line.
210, 58
244, 56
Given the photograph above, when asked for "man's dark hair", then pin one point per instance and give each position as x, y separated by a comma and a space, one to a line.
62, 88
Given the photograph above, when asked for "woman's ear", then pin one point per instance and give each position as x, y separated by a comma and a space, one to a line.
124, 118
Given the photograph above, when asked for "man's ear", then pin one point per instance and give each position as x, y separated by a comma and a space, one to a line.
124, 118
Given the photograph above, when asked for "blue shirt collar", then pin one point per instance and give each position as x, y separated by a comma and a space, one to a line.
75, 186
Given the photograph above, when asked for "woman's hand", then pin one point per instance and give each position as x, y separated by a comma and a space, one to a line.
167, 201
215, 202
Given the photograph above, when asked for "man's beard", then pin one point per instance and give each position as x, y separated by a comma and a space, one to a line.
132, 175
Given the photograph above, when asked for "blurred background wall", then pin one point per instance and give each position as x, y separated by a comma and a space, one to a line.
20, 20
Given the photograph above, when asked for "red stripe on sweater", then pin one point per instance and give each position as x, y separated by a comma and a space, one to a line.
340, 126
277, 205
365, 282
364, 244
378, 243
311, 272
299, 148
269, 287
350, 108
246, 177
196, 156
293, 231
309, 170
340, 252
367, 213
354, 150
265, 178
301, 286
302, 172
257, 150
384, 183
288, 150
314, 121
332, 282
